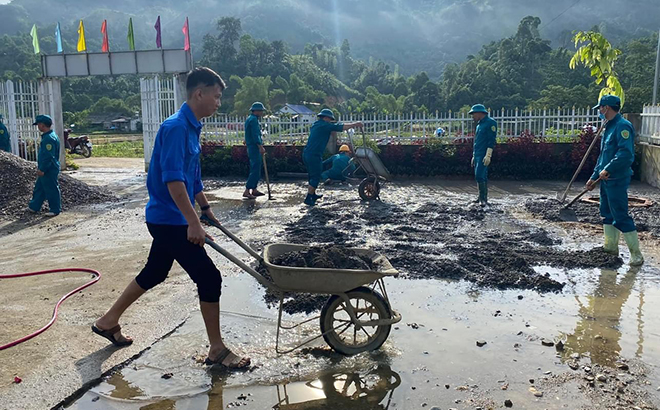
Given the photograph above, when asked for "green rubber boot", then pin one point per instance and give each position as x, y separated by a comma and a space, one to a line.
632, 240
483, 193
478, 200
611, 239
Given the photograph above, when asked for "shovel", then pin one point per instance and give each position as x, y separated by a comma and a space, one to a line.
568, 215
270, 197
562, 196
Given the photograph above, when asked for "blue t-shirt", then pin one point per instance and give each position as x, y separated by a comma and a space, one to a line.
319, 136
175, 158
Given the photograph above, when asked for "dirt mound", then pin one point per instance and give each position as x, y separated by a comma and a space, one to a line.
329, 256
448, 240
646, 219
17, 178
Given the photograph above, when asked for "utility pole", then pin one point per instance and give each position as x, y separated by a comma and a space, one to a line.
657, 72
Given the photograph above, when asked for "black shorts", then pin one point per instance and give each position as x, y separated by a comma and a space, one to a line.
171, 243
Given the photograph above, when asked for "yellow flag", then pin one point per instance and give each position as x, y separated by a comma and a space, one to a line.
82, 46
35, 39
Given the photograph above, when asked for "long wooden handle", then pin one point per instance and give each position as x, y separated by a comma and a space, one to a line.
584, 191
266, 172
584, 160
233, 237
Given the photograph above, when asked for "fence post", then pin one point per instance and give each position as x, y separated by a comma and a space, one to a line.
449, 128
572, 120
515, 123
462, 125
543, 126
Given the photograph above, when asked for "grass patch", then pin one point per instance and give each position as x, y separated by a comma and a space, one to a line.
127, 149
69, 162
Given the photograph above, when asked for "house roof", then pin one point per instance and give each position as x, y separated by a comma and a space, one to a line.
300, 109
104, 117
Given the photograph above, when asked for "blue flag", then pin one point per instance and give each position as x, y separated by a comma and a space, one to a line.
58, 38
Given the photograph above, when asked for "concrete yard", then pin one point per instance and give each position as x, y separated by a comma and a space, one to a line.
506, 277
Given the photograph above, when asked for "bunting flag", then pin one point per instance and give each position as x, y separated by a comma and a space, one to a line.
82, 45
131, 38
157, 27
104, 30
186, 36
58, 38
35, 39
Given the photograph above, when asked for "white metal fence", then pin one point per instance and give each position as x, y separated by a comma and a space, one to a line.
159, 101
557, 125
20, 103
650, 132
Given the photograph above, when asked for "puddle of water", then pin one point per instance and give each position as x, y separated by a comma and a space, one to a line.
372, 389
440, 349
600, 315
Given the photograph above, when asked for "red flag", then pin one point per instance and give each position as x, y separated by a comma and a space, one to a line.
157, 27
186, 36
104, 29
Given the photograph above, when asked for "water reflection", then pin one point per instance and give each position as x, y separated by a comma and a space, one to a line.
598, 330
341, 391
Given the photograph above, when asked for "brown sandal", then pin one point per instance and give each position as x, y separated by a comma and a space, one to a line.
223, 355
110, 335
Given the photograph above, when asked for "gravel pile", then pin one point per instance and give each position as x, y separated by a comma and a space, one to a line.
17, 178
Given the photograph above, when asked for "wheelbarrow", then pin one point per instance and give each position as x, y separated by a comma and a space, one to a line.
357, 316
367, 160
343, 391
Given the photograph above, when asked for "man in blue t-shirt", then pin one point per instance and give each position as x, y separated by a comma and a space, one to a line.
174, 183
318, 139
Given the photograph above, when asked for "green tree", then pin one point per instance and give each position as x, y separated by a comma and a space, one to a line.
598, 55
251, 89
110, 105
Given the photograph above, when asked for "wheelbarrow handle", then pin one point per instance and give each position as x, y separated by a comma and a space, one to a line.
233, 237
259, 277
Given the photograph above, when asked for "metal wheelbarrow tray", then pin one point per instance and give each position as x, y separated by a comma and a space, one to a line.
373, 166
357, 316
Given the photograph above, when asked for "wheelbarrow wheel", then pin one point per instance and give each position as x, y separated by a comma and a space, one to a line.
342, 334
369, 189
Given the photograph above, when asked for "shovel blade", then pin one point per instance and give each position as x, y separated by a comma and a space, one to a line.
567, 215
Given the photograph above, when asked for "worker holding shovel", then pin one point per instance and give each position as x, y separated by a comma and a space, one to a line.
617, 153
484, 143
255, 149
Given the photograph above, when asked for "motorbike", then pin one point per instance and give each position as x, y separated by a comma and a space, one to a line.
78, 145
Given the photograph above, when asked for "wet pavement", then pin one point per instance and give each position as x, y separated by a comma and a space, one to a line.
603, 318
